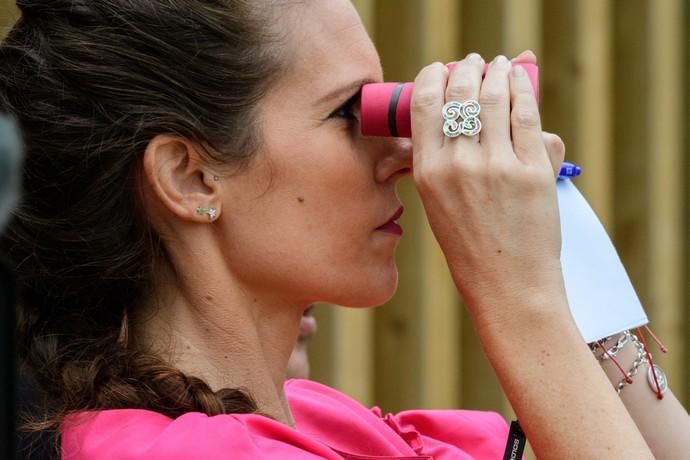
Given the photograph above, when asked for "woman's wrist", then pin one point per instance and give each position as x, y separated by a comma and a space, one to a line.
532, 312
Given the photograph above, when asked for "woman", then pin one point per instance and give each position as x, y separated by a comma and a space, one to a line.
196, 178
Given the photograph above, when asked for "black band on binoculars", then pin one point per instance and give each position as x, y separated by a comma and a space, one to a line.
393, 110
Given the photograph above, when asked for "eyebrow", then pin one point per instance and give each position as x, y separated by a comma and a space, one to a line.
348, 89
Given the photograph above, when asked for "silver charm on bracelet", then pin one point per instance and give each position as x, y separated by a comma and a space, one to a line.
660, 376
652, 370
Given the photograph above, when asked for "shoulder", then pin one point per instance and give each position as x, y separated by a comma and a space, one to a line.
344, 424
139, 434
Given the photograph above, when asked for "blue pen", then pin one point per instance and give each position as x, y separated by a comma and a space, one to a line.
569, 170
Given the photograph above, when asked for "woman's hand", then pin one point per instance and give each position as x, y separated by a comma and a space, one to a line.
491, 202
491, 198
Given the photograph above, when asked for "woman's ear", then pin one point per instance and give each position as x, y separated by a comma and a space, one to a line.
178, 177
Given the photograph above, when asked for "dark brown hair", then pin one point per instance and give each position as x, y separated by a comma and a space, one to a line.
91, 83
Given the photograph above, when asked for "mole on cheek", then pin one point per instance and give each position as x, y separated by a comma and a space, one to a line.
300, 199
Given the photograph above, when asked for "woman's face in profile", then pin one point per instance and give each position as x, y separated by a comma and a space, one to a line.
304, 219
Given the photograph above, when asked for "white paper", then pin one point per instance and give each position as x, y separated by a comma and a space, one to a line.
601, 297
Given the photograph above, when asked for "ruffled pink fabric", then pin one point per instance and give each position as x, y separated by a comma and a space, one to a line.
330, 425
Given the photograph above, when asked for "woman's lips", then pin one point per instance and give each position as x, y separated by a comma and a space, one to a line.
391, 226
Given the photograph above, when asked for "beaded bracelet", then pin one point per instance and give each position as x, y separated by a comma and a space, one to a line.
656, 378
639, 360
613, 351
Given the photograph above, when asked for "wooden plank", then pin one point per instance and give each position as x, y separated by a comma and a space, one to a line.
341, 354
663, 125
398, 38
592, 110
631, 189
480, 388
440, 326
353, 359
558, 72
481, 28
321, 354
440, 36
685, 398
398, 370
440, 312
522, 28
422, 321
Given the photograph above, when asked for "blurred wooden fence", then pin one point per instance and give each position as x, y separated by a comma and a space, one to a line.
615, 86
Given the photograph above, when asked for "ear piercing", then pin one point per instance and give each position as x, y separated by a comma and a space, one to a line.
212, 213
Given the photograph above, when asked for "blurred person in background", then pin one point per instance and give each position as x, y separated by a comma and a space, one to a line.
196, 177
298, 364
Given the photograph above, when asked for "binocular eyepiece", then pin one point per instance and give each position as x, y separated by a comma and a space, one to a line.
385, 107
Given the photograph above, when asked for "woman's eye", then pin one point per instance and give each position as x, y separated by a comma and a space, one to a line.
347, 110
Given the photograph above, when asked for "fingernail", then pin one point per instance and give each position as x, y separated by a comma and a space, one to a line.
474, 57
500, 59
518, 71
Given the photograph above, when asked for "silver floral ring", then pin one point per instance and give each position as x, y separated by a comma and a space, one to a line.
461, 119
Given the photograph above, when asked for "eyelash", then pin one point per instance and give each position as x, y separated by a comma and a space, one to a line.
346, 111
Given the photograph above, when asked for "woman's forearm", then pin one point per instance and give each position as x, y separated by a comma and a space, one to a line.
563, 400
664, 423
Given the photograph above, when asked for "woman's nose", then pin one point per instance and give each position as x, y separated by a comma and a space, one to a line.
395, 160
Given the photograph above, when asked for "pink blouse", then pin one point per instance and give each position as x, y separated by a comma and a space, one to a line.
329, 424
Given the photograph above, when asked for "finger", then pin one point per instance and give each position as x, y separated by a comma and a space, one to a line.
494, 99
428, 98
526, 57
555, 148
465, 79
464, 82
525, 121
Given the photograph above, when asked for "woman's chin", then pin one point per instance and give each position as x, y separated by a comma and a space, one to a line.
372, 294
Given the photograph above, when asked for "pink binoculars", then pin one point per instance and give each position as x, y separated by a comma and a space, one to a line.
386, 106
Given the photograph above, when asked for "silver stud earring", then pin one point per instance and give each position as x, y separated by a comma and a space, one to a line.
216, 178
212, 213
